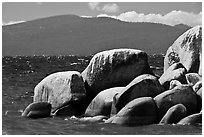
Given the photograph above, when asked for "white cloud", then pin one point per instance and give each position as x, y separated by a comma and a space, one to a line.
39, 3
11, 22
94, 5
172, 18
110, 8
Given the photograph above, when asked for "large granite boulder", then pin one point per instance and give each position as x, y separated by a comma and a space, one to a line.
140, 111
61, 89
37, 110
101, 104
174, 114
144, 85
183, 94
187, 49
193, 119
175, 72
114, 68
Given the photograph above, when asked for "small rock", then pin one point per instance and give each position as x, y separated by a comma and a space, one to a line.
193, 119
174, 72
37, 110
174, 83
174, 114
197, 86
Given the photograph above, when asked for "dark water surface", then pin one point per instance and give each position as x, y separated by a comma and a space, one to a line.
21, 74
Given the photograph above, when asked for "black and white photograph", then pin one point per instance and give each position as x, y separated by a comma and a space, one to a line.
101, 68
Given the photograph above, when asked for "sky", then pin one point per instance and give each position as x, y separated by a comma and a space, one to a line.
170, 13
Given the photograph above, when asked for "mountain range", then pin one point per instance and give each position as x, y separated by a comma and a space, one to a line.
74, 35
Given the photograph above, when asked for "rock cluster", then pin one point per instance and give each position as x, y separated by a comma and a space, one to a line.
119, 87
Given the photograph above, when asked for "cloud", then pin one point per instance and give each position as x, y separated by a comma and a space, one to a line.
93, 5
108, 8
39, 3
11, 23
172, 18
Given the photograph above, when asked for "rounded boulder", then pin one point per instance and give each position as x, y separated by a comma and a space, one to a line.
61, 89
101, 104
175, 72
193, 119
144, 85
187, 49
37, 110
174, 114
114, 68
140, 111
183, 94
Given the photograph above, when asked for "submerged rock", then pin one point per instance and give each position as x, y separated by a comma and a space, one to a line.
174, 72
183, 94
114, 68
174, 114
140, 111
37, 110
187, 49
101, 104
61, 89
193, 119
144, 85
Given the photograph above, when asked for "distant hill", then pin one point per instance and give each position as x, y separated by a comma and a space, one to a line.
182, 26
70, 34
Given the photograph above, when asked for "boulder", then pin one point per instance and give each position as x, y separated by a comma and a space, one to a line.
197, 86
174, 72
174, 114
183, 94
114, 68
37, 110
193, 119
193, 78
140, 111
144, 85
187, 49
61, 89
174, 83
101, 104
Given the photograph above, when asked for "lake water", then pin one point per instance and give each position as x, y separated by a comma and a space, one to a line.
21, 74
